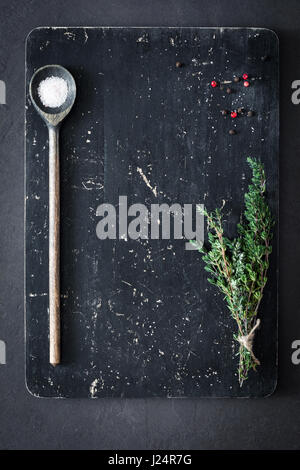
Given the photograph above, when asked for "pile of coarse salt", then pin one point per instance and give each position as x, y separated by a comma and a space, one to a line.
53, 91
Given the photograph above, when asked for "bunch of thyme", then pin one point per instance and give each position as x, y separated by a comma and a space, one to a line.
238, 267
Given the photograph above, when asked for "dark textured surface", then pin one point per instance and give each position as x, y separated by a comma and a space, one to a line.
138, 316
27, 422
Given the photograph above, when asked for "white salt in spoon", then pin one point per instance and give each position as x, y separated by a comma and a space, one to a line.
53, 90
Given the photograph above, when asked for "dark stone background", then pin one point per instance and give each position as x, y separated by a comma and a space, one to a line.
27, 422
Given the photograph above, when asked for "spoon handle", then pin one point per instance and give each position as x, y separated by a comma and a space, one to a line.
54, 250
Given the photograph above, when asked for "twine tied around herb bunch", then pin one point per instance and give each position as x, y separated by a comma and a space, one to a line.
247, 341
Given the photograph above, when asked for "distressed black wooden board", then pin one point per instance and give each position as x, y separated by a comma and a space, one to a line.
138, 317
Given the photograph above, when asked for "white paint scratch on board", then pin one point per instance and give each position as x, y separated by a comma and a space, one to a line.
32, 294
93, 387
147, 182
144, 38
70, 35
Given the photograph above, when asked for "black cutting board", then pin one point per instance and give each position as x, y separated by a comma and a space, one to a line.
139, 318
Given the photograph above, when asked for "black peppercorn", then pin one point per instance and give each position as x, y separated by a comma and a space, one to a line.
250, 113
178, 64
228, 90
265, 58
232, 132
224, 112
236, 79
240, 110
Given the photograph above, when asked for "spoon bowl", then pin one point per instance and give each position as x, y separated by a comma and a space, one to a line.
52, 116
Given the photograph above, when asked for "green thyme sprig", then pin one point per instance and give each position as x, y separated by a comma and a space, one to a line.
238, 267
